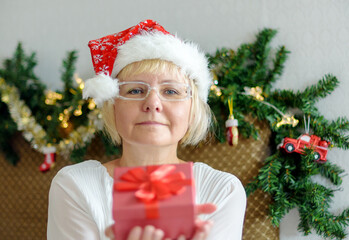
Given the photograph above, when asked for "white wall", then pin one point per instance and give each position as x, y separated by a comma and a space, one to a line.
316, 31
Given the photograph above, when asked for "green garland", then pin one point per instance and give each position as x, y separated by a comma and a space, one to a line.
64, 121
286, 177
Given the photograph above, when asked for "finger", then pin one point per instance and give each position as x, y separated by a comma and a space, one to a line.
206, 208
203, 229
158, 234
200, 223
135, 233
199, 236
181, 237
109, 233
207, 228
148, 232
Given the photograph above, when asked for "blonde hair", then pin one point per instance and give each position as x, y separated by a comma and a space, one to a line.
200, 114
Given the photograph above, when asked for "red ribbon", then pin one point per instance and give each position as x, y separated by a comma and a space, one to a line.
153, 184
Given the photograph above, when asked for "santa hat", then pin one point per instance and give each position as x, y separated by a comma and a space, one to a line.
147, 40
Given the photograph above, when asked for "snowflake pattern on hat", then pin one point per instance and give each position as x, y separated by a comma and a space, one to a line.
104, 50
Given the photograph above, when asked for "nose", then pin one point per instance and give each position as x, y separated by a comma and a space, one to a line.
152, 102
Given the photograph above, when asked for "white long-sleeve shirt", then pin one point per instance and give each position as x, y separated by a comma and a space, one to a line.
80, 202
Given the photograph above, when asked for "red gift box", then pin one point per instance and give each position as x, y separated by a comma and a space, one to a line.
160, 195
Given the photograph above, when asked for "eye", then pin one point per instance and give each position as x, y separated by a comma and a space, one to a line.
135, 91
171, 92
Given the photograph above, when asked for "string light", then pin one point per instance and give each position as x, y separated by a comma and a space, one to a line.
65, 124
287, 119
216, 90
5, 98
52, 97
79, 81
78, 112
256, 93
91, 104
214, 86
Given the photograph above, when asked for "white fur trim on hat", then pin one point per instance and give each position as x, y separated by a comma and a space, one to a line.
101, 88
156, 45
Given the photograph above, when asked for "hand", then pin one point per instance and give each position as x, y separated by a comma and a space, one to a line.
151, 233
202, 227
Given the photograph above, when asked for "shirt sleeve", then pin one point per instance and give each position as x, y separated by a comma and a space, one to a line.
228, 194
67, 215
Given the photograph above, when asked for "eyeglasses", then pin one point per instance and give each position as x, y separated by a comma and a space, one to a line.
165, 91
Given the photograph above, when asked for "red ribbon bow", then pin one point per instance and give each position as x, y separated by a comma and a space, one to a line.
153, 184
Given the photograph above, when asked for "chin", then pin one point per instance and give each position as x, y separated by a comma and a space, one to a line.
154, 141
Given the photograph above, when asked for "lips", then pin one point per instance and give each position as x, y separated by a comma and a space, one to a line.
151, 123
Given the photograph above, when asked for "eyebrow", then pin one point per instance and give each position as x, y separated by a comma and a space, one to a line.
162, 81
170, 81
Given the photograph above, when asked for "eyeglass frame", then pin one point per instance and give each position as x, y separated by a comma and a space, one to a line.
189, 90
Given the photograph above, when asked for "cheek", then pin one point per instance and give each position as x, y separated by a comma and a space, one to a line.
182, 115
122, 116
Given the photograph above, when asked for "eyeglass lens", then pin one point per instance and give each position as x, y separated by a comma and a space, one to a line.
166, 91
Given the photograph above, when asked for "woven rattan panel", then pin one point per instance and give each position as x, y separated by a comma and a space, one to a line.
244, 161
24, 190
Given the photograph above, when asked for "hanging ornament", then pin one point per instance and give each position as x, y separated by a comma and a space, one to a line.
232, 126
320, 147
49, 162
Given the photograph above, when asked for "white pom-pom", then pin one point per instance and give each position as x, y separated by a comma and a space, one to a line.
101, 88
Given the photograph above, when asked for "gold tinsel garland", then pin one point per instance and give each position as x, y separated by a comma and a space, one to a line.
34, 132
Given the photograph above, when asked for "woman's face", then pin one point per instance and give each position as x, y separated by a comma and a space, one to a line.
152, 121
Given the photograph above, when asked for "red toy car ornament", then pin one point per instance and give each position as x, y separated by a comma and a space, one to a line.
314, 142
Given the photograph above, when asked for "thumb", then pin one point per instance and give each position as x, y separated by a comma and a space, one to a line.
109, 232
206, 208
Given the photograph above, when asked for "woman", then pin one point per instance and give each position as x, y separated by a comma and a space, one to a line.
157, 101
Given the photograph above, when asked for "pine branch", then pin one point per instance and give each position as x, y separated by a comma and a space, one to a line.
340, 124
110, 148
332, 172
261, 45
278, 62
333, 131
268, 175
283, 203
323, 88
68, 72
260, 65
77, 155
251, 187
286, 97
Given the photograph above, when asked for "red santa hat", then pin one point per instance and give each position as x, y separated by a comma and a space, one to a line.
147, 40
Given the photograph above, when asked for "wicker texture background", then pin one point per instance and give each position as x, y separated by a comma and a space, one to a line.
24, 190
